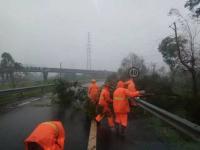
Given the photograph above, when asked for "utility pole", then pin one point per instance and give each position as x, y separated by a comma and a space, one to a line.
89, 63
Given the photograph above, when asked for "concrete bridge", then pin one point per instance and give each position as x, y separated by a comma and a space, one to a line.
45, 71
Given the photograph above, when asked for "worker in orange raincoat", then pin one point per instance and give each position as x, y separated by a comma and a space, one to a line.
121, 105
104, 102
132, 88
46, 136
93, 92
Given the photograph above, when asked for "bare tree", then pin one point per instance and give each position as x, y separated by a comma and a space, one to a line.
132, 60
187, 52
194, 6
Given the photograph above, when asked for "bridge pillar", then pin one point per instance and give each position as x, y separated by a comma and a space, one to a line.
45, 76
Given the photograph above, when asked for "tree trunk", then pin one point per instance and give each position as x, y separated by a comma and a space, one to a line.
7, 77
2, 77
194, 83
12, 78
190, 68
172, 74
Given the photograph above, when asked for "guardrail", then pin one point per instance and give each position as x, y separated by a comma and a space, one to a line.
21, 90
183, 125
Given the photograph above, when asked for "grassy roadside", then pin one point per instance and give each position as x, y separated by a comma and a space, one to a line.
20, 96
24, 84
176, 139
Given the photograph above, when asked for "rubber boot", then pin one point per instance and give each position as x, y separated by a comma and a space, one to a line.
99, 118
123, 131
117, 126
112, 129
98, 122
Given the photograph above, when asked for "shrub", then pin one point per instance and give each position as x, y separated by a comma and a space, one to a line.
63, 90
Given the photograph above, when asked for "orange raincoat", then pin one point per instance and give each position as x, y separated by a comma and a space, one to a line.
104, 101
120, 103
93, 92
131, 85
48, 135
132, 88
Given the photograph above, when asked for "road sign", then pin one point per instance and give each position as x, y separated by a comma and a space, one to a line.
133, 72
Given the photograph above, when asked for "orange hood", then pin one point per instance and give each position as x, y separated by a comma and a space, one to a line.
120, 84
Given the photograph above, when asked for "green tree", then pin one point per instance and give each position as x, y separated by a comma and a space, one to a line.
7, 61
168, 49
188, 52
177, 56
8, 67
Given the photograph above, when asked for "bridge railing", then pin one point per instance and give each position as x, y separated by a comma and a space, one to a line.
183, 125
24, 89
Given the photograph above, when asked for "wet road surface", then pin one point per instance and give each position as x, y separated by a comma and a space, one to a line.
16, 124
139, 136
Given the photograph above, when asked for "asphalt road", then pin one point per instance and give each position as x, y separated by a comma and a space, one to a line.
17, 123
18, 120
139, 136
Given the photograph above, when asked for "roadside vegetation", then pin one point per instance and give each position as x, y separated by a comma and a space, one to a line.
176, 97
9, 78
176, 86
175, 139
72, 94
65, 93
15, 98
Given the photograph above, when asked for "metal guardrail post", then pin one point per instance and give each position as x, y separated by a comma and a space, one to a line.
21, 94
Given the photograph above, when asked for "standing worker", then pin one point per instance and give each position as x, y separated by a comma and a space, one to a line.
104, 102
46, 136
93, 92
131, 88
121, 105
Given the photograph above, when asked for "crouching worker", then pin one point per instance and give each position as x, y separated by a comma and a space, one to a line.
104, 102
121, 105
46, 136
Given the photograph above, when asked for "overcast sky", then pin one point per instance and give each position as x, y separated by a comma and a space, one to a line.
47, 32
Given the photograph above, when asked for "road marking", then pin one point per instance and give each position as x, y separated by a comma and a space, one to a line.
92, 136
36, 99
25, 103
22, 104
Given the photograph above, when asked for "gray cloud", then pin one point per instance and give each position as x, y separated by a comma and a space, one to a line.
47, 32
